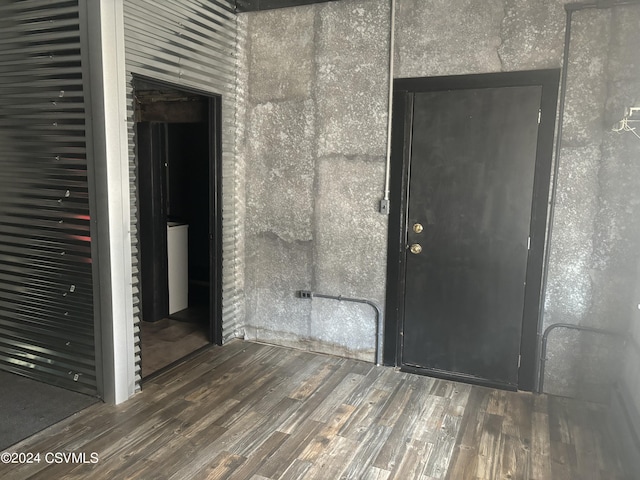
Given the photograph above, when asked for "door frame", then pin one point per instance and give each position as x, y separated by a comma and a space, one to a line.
214, 115
401, 137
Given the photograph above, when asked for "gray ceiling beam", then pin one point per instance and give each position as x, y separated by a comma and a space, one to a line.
255, 5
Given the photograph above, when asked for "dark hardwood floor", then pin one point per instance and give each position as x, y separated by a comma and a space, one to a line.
248, 411
169, 340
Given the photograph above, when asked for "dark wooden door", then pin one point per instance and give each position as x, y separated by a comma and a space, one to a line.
151, 138
470, 188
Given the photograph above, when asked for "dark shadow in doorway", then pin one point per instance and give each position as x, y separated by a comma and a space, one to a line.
178, 145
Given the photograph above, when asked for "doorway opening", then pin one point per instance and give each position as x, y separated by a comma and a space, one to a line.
178, 142
470, 176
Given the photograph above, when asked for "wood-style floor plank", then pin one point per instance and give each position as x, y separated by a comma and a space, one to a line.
255, 412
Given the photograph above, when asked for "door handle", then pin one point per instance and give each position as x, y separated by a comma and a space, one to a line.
415, 248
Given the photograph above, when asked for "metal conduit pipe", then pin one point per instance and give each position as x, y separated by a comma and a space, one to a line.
384, 203
308, 294
545, 338
562, 97
574, 7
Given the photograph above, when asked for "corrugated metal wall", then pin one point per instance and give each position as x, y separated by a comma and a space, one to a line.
46, 293
191, 44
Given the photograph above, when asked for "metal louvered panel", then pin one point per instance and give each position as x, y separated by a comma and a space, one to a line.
46, 286
236, 269
191, 44
135, 280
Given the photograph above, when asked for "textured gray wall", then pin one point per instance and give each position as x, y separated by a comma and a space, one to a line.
315, 140
626, 157
315, 117
631, 378
632, 361
596, 236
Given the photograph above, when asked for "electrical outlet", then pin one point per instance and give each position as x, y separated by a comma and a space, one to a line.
384, 206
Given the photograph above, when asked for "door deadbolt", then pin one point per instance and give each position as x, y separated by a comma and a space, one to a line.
418, 228
416, 248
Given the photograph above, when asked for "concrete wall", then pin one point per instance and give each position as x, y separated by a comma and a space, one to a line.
625, 411
315, 119
314, 145
624, 415
596, 234
631, 378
